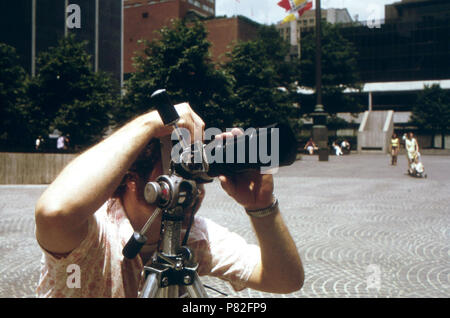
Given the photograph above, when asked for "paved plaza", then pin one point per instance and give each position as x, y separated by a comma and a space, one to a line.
363, 228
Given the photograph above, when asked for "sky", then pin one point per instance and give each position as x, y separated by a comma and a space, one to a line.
268, 12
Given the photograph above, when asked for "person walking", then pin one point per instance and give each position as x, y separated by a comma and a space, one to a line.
412, 148
394, 148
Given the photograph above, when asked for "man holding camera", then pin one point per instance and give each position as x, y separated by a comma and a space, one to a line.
85, 217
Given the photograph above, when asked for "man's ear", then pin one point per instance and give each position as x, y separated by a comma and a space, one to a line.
131, 181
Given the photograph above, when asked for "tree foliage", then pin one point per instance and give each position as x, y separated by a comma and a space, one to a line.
179, 62
262, 79
13, 82
432, 110
339, 71
66, 94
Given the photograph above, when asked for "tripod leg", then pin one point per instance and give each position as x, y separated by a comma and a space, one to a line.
169, 292
151, 287
196, 290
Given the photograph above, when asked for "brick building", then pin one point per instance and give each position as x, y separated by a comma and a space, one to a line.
143, 18
223, 33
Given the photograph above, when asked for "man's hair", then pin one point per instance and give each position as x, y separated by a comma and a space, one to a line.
141, 167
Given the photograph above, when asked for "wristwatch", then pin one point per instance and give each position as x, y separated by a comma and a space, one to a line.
273, 208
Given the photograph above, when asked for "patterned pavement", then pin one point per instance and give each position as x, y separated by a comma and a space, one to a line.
363, 228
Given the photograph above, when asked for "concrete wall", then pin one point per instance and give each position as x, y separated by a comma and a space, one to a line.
375, 131
31, 168
438, 141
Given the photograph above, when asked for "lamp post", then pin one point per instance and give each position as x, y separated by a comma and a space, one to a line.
319, 130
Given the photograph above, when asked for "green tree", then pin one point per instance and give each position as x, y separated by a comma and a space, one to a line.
13, 81
276, 49
262, 81
68, 95
339, 71
432, 111
179, 62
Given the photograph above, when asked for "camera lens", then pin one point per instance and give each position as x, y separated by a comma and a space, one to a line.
269, 147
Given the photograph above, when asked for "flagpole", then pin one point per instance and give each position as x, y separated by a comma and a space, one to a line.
320, 130
318, 53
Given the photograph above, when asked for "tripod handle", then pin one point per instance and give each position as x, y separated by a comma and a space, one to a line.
138, 239
134, 245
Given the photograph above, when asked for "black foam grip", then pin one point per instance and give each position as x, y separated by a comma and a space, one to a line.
134, 245
161, 101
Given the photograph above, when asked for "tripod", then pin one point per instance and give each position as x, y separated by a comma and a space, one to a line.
173, 268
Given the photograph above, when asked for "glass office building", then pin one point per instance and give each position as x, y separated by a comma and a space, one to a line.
402, 50
32, 26
412, 45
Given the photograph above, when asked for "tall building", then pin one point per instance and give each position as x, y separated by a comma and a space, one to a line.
142, 18
32, 26
412, 44
417, 10
409, 50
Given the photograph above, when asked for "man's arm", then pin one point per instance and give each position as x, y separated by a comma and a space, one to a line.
280, 269
89, 180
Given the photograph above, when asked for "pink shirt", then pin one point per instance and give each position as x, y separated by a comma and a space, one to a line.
104, 272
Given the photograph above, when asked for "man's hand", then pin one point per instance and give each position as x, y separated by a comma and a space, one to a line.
188, 120
251, 189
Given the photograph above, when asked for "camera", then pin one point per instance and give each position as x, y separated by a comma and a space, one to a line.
263, 149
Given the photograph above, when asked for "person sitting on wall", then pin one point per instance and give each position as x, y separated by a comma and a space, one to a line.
345, 145
311, 146
337, 149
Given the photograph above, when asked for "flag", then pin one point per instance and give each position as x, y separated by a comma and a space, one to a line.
285, 4
291, 5
298, 7
307, 7
298, 4
289, 18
